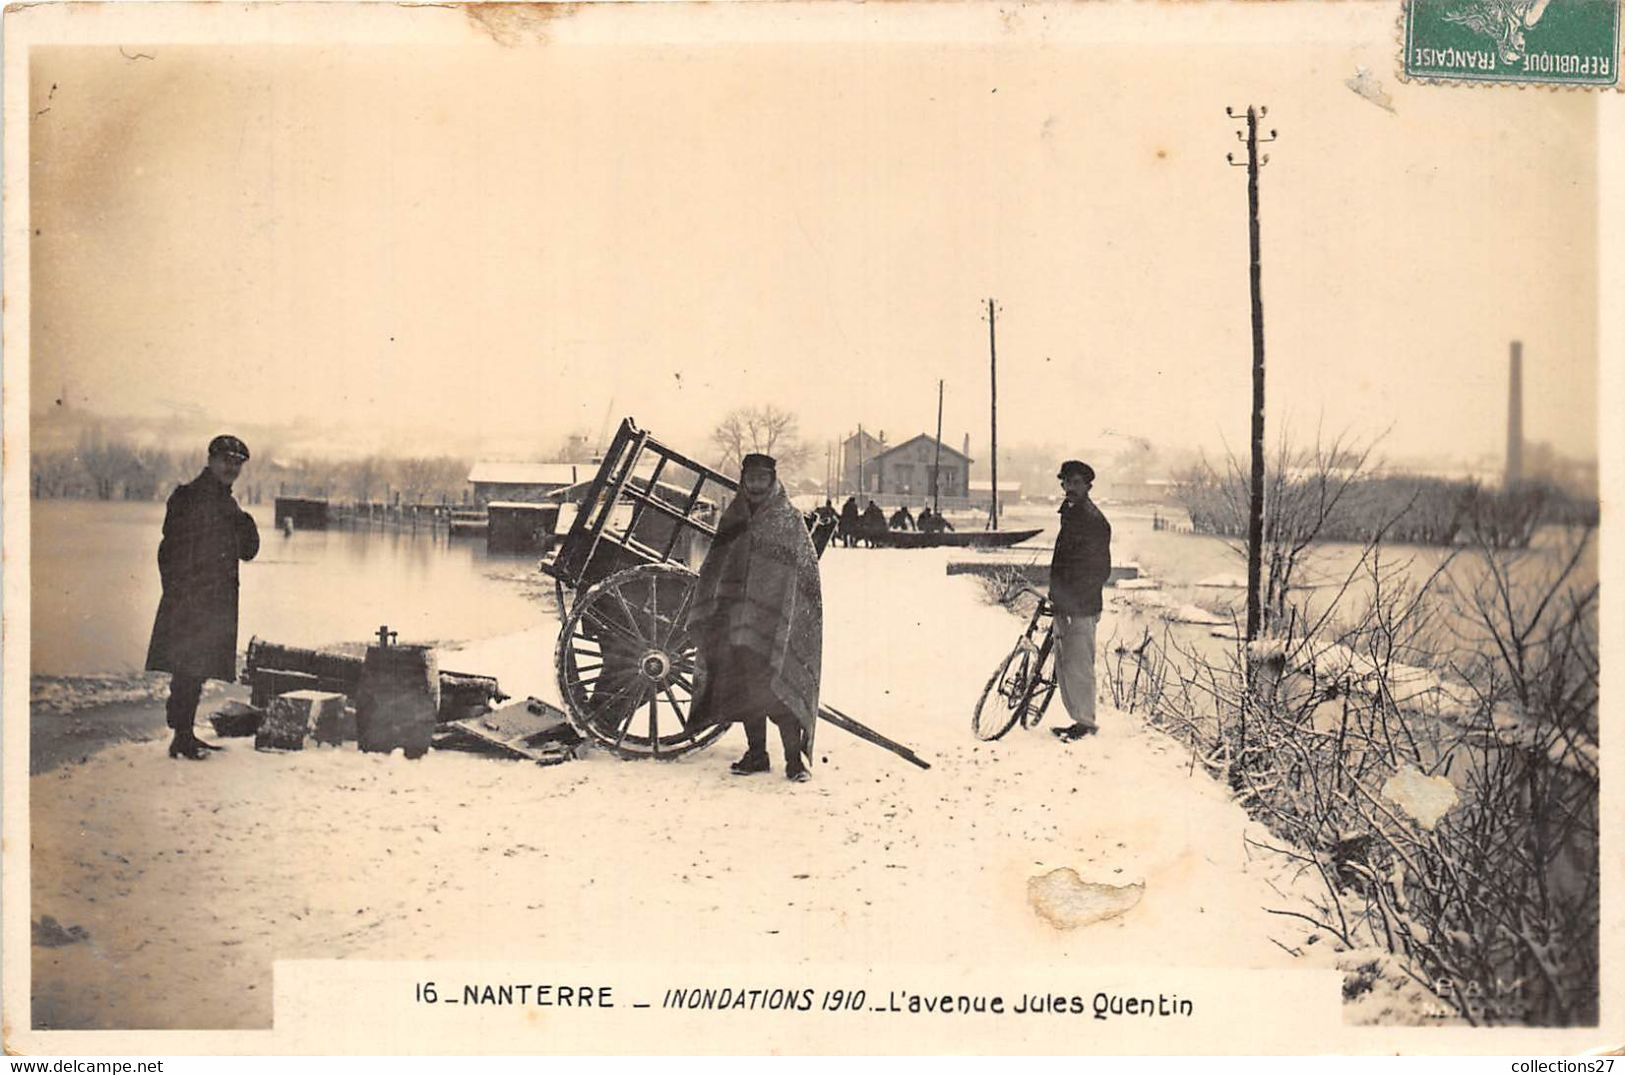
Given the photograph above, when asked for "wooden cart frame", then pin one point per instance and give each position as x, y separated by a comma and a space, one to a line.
625, 574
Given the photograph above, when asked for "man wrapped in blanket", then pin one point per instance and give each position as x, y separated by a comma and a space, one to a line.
757, 619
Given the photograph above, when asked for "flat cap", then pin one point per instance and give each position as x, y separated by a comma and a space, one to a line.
228, 446
1078, 467
757, 459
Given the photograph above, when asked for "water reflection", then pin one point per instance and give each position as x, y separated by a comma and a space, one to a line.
95, 586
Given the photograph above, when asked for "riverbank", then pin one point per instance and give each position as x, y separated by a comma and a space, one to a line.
176, 885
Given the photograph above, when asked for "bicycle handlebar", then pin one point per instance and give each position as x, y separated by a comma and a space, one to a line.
1043, 599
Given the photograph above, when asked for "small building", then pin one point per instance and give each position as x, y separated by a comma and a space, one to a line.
520, 527
981, 494
858, 454
524, 483
907, 469
301, 512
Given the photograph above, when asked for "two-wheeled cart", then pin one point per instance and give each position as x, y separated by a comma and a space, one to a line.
625, 574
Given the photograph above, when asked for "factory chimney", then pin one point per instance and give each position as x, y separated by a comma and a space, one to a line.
1514, 474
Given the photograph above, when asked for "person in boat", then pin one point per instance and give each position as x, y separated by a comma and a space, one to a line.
901, 519
1080, 568
850, 524
757, 621
194, 635
873, 524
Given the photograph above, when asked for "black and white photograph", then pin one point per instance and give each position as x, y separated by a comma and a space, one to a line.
807, 528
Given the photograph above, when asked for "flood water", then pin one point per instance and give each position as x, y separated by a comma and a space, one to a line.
95, 586
95, 580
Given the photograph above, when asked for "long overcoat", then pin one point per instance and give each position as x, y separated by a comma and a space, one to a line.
205, 535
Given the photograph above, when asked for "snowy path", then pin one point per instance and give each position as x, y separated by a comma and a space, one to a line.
191, 878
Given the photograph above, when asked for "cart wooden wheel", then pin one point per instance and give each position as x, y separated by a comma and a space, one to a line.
627, 668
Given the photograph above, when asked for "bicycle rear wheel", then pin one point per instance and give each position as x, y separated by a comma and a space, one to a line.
1003, 697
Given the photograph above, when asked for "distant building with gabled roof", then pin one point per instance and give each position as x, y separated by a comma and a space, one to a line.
526, 483
906, 469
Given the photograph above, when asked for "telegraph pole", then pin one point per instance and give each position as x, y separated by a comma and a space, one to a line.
1255, 507
860, 461
993, 445
936, 467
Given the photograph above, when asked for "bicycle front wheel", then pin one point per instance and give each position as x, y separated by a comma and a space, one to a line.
1040, 688
1003, 697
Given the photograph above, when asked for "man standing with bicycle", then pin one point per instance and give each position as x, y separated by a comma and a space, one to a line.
1081, 567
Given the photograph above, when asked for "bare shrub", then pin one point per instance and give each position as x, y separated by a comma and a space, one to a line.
1425, 744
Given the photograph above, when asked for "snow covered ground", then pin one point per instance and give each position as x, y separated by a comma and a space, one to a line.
188, 879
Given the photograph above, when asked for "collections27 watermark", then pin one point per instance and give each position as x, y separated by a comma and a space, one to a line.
1100, 1004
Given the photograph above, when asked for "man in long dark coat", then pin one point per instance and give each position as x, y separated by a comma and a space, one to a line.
194, 637
872, 525
1080, 568
757, 620
849, 522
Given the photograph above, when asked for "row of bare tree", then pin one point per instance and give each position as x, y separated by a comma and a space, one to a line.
101, 467
1423, 743
1350, 504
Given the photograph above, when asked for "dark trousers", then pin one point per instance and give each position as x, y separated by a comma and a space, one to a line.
181, 709
790, 734
741, 690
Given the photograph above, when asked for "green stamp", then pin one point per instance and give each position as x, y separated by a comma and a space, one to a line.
1559, 42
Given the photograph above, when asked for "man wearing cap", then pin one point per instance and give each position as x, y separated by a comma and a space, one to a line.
194, 637
757, 620
1081, 566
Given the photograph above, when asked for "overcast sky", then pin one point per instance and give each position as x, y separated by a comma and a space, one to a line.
523, 239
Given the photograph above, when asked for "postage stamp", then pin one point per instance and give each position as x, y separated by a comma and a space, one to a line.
1558, 42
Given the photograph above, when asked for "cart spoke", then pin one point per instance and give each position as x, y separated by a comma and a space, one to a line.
654, 724
606, 705
625, 726
611, 628
677, 707
631, 617
677, 620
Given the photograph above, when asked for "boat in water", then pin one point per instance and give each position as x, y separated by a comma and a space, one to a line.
977, 539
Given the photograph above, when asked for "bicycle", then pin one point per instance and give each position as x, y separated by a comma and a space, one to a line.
1024, 682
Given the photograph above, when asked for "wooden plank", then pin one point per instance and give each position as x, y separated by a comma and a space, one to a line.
530, 729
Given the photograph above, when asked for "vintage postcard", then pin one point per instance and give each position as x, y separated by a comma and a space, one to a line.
810, 528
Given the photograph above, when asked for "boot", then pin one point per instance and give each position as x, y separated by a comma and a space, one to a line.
186, 745
753, 762
795, 755
755, 759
